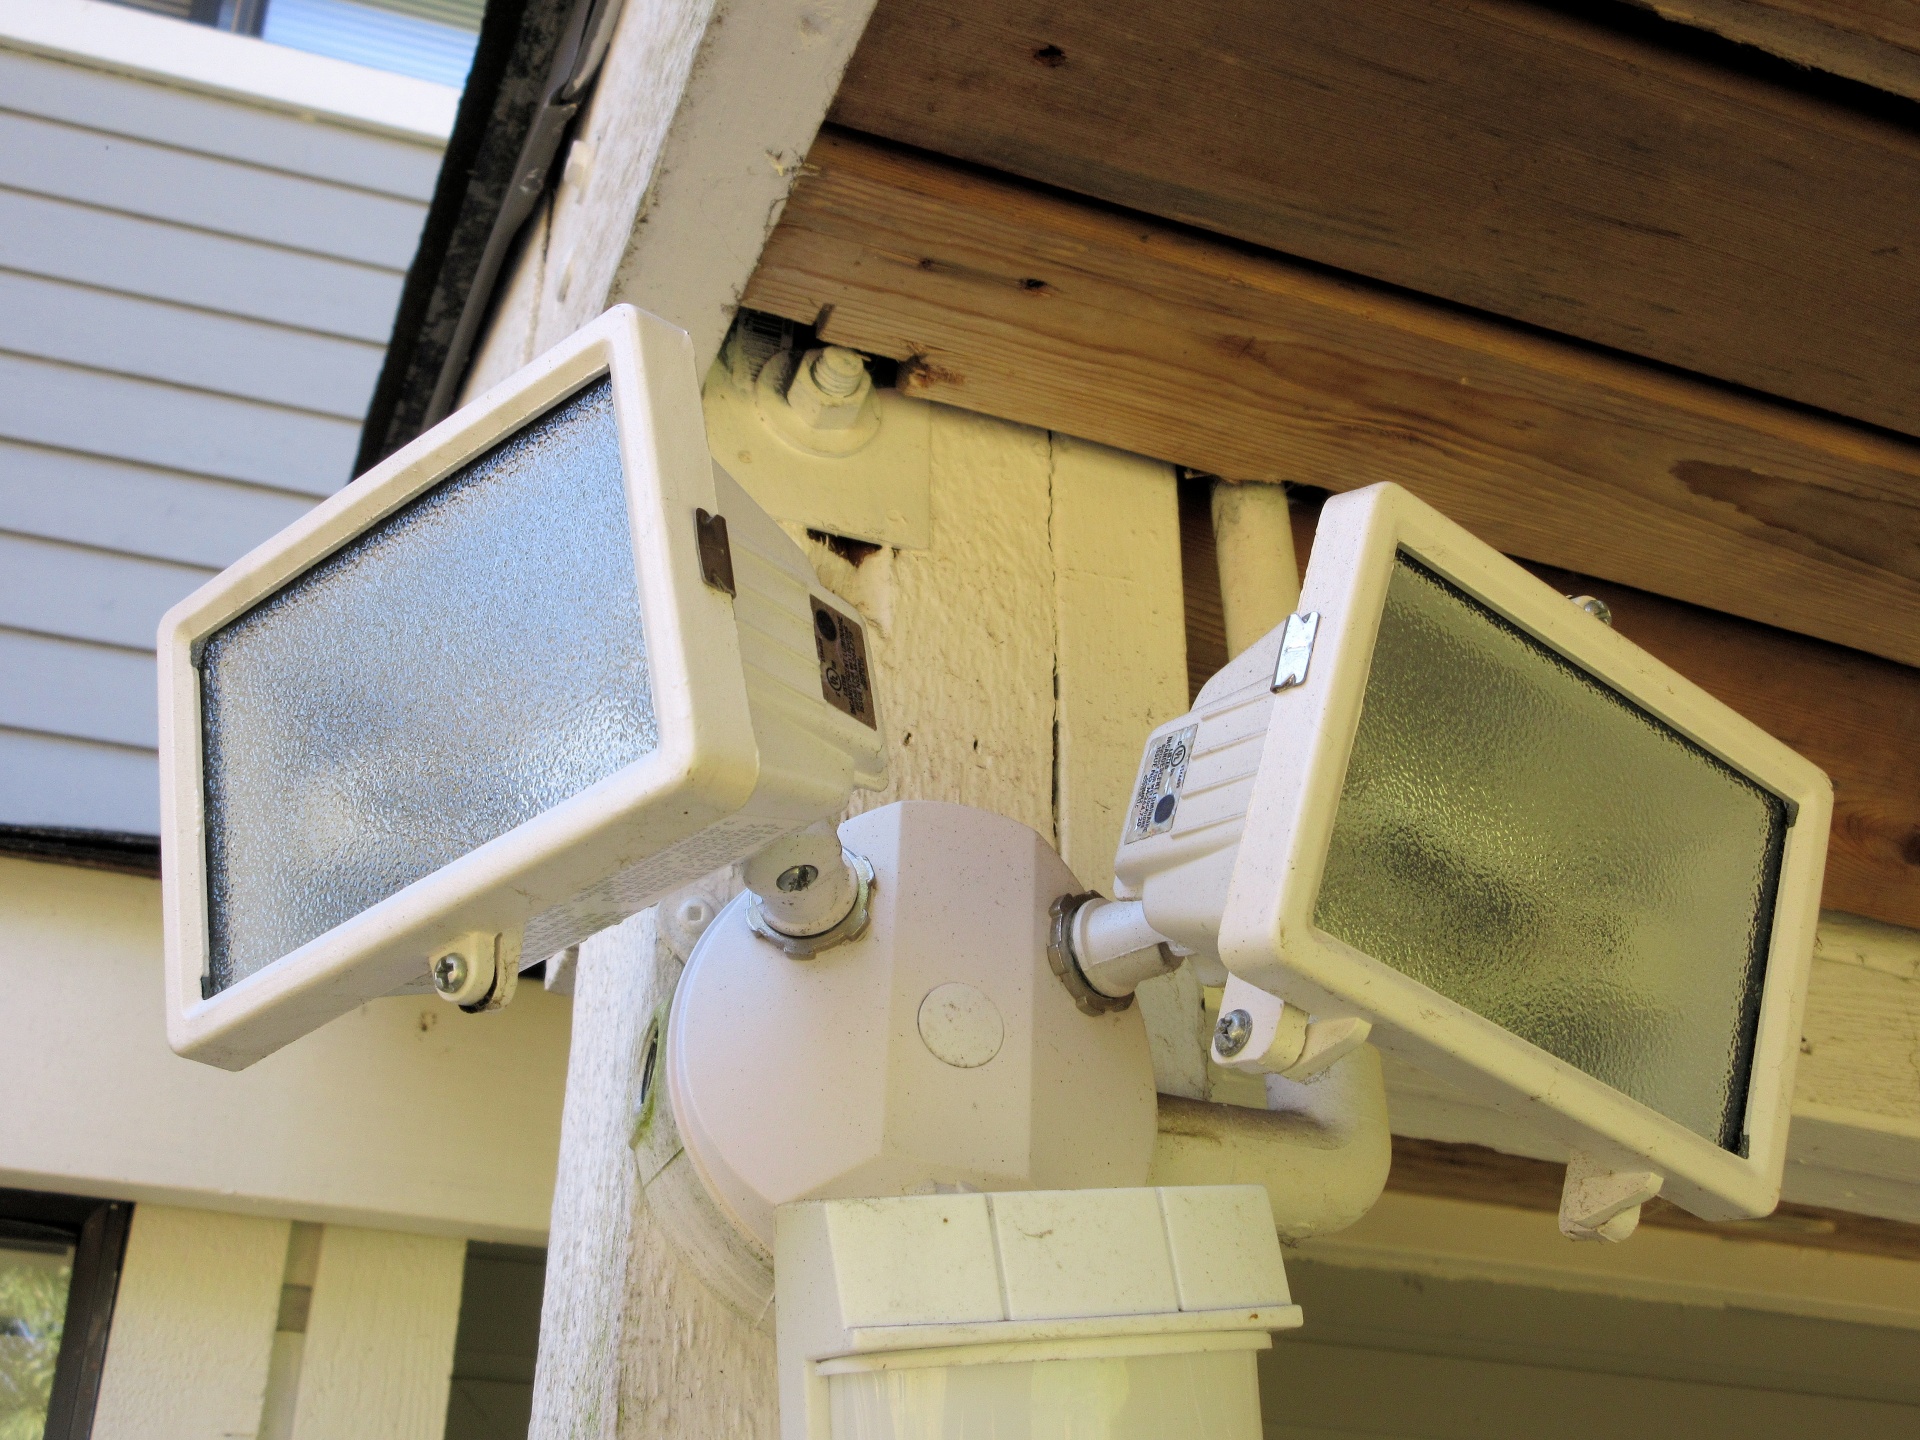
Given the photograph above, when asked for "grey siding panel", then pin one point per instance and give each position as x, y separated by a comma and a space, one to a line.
193, 267
125, 419
56, 589
53, 780
48, 158
195, 296
123, 105
163, 515
108, 331
86, 691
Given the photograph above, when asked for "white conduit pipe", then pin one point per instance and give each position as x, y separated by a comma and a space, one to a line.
1253, 547
1116, 948
1322, 1151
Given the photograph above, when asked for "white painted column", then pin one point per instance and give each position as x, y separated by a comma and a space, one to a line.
378, 1356
1121, 634
192, 1326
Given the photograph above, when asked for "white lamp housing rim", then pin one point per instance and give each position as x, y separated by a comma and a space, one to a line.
727, 775
1267, 934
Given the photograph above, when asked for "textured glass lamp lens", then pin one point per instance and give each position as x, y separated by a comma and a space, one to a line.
1527, 842
475, 659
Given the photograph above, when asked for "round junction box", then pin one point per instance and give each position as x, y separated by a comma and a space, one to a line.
936, 1051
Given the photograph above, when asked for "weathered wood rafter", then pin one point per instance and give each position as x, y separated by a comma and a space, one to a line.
1509, 156
1040, 308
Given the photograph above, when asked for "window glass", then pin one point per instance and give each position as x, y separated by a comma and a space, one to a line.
34, 1278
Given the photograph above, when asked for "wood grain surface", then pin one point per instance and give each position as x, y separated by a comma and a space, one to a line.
1876, 42
1497, 154
1027, 304
1473, 1172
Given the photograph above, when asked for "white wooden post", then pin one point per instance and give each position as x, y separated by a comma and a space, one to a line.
701, 116
192, 1326
378, 1356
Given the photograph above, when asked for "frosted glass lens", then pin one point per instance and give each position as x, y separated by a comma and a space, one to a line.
473, 660
1214, 1394
1527, 842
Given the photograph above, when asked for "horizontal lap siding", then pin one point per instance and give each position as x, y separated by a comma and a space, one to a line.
195, 297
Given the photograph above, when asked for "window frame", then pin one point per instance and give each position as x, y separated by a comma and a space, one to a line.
97, 1230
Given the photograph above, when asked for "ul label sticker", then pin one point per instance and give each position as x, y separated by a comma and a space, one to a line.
1159, 794
843, 663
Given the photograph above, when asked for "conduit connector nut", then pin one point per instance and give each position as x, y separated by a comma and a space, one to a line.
807, 894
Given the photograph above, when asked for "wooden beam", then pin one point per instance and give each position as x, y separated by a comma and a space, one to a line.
1142, 335
1876, 42
1499, 154
1473, 1172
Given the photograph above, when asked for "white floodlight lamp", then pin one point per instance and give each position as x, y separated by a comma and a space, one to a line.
536, 669
1543, 866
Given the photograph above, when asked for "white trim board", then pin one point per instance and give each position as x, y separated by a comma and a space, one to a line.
198, 57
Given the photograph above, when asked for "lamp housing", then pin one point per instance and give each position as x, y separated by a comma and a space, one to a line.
536, 669
1544, 866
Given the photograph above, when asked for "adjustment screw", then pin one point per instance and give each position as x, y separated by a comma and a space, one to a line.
1597, 608
799, 877
1233, 1032
450, 973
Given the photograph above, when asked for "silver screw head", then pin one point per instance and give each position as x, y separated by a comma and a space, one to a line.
797, 877
1597, 608
1233, 1032
450, 973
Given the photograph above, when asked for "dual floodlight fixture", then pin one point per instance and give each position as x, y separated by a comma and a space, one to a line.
548, 663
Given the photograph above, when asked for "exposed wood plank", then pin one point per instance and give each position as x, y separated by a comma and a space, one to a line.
78, 784
1153, 339
1502, 155
88, 691
120, 418
1429, 1235
80, 325
42, 236
1876, 42
56, 589
136, 509
114, 173
1473, 1172
166, 115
